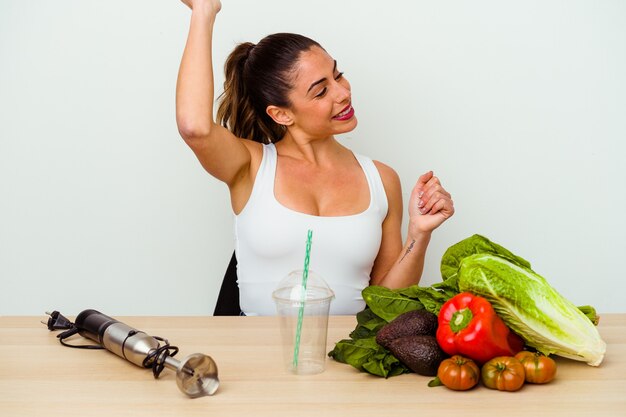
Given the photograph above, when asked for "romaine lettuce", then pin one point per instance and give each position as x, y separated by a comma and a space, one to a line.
532, 308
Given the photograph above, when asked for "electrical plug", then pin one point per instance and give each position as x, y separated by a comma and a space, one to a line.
57, 321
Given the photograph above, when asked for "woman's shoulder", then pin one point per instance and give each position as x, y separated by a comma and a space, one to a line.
389, 175
391, 184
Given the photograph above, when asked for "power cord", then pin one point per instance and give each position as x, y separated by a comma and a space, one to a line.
156, 358
58, 321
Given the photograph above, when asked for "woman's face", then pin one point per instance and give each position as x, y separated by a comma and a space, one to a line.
321, 101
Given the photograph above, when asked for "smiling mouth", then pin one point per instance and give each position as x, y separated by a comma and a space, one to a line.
346, 113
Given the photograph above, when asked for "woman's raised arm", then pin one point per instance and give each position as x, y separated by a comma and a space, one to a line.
221, 153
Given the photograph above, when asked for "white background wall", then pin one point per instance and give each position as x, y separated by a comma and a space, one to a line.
520, 108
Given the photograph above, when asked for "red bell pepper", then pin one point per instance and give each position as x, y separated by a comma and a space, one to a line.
469, 326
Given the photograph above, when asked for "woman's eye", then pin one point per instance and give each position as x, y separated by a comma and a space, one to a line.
321, 93
324, 90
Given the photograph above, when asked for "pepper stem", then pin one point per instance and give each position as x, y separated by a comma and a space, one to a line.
460, 319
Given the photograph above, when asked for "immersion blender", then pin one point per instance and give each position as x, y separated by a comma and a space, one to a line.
196, 375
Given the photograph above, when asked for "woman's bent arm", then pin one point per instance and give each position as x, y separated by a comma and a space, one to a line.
398, 266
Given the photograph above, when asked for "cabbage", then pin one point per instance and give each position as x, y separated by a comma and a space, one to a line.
526, 302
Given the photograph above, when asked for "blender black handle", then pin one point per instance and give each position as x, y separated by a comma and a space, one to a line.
92, 324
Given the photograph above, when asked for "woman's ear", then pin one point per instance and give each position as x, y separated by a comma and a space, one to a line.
280, 115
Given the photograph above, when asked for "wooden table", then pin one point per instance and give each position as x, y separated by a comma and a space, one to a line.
41, 378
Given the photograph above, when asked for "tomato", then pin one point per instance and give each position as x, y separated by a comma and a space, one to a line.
458, 373
539, 368
504, 373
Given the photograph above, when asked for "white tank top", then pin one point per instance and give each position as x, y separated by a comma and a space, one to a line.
270, 242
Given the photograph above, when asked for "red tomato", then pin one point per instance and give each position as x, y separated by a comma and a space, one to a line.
539, 368
458, 373
504, 373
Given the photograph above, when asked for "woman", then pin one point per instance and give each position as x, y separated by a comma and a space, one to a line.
274, 146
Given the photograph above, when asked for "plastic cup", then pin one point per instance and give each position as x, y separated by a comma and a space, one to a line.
306, 354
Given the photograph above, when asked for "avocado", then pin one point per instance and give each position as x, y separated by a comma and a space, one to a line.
412, 323
421, 353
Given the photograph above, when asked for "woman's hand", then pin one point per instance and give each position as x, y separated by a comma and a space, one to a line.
213, 6
429, 206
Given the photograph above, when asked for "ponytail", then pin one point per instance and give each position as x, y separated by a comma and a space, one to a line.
235, 111
258, 76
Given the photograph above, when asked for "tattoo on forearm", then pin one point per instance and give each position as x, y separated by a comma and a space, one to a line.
408, 250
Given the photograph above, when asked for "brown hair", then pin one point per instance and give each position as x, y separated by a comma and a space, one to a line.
258, 76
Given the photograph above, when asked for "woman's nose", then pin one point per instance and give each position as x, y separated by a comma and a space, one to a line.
343, 93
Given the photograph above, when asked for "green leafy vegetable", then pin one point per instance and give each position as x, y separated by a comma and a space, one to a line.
452, 258
368, 325
533, 309
367, 355
388, 304
591, 314
431, 299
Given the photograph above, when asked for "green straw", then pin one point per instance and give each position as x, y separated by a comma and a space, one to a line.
305, 277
